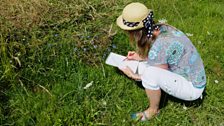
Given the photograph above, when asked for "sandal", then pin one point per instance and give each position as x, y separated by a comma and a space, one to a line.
141, 116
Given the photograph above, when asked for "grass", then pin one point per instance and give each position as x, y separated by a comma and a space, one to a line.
50, 50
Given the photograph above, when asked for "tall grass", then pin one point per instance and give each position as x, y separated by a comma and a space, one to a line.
51, 49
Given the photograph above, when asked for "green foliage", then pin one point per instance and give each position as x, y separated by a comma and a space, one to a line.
51, 49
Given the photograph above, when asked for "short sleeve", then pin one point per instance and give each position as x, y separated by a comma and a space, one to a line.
157, 54
165, 51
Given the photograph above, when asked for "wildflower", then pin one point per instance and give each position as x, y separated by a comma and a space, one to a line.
104, 55
216, 81
104, 103
18, 54
114, 46
75, 49
163, 20
95, 46
88, 85
184, 107
189, 34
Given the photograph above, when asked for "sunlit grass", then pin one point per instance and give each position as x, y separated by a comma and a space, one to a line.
50, 51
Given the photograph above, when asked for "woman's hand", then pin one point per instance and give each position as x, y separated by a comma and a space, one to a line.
127, 71
132, 55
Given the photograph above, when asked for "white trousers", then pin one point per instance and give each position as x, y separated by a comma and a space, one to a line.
155, 78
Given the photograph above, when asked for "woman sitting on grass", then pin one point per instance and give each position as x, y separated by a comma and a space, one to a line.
174, 64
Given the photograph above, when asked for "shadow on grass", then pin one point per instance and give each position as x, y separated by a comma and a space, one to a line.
195, 103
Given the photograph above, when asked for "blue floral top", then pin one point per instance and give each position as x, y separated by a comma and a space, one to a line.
174, 48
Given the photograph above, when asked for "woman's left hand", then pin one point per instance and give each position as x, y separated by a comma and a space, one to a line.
127, 71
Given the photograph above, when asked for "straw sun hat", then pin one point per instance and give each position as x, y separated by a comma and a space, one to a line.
133, 14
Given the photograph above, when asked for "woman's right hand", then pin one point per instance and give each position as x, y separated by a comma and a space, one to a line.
132, 55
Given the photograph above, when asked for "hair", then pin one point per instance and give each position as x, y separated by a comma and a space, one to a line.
139, 39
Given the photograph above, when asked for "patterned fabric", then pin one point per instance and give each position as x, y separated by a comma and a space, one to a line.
175, 51
149, 24
174, 48
130, 24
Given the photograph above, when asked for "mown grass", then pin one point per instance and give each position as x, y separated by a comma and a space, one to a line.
50, 50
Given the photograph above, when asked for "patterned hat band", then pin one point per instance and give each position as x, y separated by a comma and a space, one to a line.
130, 24
148, 23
